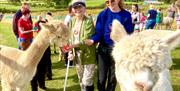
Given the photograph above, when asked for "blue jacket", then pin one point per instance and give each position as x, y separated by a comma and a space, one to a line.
104, 22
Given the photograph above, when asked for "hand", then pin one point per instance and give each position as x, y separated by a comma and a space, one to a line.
66, 48
70, 56
88, 42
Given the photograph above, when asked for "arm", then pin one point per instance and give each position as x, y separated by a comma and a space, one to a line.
148, 14
14, 23
98, 32
128, 24
21, 29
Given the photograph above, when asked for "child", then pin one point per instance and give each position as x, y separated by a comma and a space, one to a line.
159, 18
142, 21
37, 27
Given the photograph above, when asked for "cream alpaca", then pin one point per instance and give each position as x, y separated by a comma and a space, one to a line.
18, 67
142, 59
167, 21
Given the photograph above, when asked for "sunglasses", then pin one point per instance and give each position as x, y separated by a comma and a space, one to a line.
78, 7
109, 1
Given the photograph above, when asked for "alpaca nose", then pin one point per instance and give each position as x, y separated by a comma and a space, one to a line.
143, 87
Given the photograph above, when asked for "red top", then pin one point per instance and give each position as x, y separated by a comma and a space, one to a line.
143, 18
27, 26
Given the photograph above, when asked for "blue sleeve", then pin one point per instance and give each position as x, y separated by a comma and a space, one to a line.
98, 33
128, 25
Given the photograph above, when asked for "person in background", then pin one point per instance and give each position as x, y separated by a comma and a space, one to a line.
25, 33
159, 18
37, 27
16, 17
135, 17
69, 15
68, 18
49, 63
142, 21
171, 11
39, 78
177, 4
1, 16
151, 17
106, 65
82, 27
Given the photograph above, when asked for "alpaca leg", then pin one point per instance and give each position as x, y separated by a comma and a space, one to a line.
7, 86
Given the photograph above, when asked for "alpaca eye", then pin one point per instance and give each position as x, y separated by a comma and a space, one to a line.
58, 36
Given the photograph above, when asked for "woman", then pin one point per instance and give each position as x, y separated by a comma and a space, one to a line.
25, 30
82, 28
106, 64
135, 17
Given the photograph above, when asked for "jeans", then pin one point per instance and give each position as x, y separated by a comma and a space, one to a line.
150, 23
106, 69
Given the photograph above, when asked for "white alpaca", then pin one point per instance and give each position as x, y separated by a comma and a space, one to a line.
18, 67
142, 59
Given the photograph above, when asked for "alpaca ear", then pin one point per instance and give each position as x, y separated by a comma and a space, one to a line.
118, 31
173, 40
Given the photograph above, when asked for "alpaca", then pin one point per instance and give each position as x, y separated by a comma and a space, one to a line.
142, 59
167, 21
17, 67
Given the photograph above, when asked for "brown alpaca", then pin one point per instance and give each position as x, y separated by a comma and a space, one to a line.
18, 67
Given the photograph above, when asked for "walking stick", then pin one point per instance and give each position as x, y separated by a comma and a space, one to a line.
67, 70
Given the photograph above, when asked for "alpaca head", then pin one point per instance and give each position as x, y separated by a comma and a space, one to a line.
146, 46
148, 49
58, 32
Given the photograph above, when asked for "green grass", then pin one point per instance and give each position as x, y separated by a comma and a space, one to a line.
7, 38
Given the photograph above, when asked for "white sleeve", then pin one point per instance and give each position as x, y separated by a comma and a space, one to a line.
67, 19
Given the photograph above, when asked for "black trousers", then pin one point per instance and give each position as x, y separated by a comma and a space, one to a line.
66, 60
39, 78
49, 63
106, 69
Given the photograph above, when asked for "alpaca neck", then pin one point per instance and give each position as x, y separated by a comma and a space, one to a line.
37, 49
